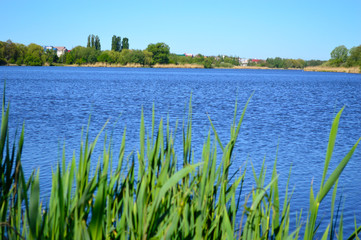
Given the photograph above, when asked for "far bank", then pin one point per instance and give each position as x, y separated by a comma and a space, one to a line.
199, 66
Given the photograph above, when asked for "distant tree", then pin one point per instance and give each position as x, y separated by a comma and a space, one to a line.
97, 43
355, 56
147, 57
34, 55
160, 52
116, 44
114, 56
11, 51
92, 43
50, 56
84, 55
137, 56
207, 63
125, 43
104, 57
69, 58
88, 44
314, 63
125, 57
339, 55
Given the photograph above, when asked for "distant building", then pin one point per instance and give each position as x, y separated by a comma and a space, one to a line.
188, 55
243, 62
60, 50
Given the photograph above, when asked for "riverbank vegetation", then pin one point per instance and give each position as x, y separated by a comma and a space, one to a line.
155, 194
159, 54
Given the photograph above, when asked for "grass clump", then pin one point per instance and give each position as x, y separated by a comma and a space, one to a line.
199, 201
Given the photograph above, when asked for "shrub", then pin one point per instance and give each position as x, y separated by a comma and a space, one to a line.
3, 62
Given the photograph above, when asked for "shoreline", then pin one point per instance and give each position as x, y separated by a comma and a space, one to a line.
356, 70
333, 69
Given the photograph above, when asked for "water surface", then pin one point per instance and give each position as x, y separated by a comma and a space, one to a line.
290, 109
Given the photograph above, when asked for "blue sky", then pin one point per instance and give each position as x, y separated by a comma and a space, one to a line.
253, 29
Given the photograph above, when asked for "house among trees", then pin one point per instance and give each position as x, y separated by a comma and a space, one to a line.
59, 50
243, 62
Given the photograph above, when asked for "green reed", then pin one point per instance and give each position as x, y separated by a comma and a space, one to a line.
198, 201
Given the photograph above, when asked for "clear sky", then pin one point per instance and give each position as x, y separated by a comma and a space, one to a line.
253, 29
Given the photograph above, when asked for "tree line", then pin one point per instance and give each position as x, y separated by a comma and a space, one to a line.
155, 53
31, 55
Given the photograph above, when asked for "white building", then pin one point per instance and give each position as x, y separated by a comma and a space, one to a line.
243, 62
60, 50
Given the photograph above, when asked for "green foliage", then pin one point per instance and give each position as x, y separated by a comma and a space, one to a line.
160, 52
355, 57
82, 55
97, 43
231, 60
207, 63
314, 63
3, 61
125, 43
161, 201
94, 42
11, 52
285, 63
50, 56
69, 58
104, 57
339, 55
225, 65
33, 61
131, 56
34, 55
116, 44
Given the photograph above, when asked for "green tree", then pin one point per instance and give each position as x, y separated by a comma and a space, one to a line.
355, 56
313, 62
114, 56
97, 43
125, 43
50, 56
160, 52
339, 55
125, 57
34, 54
11, 52
207, 63
89, 39
69, 59
92, 43
84, 55
104, 57
148, 57
116, 43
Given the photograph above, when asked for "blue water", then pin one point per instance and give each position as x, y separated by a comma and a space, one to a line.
290, 109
